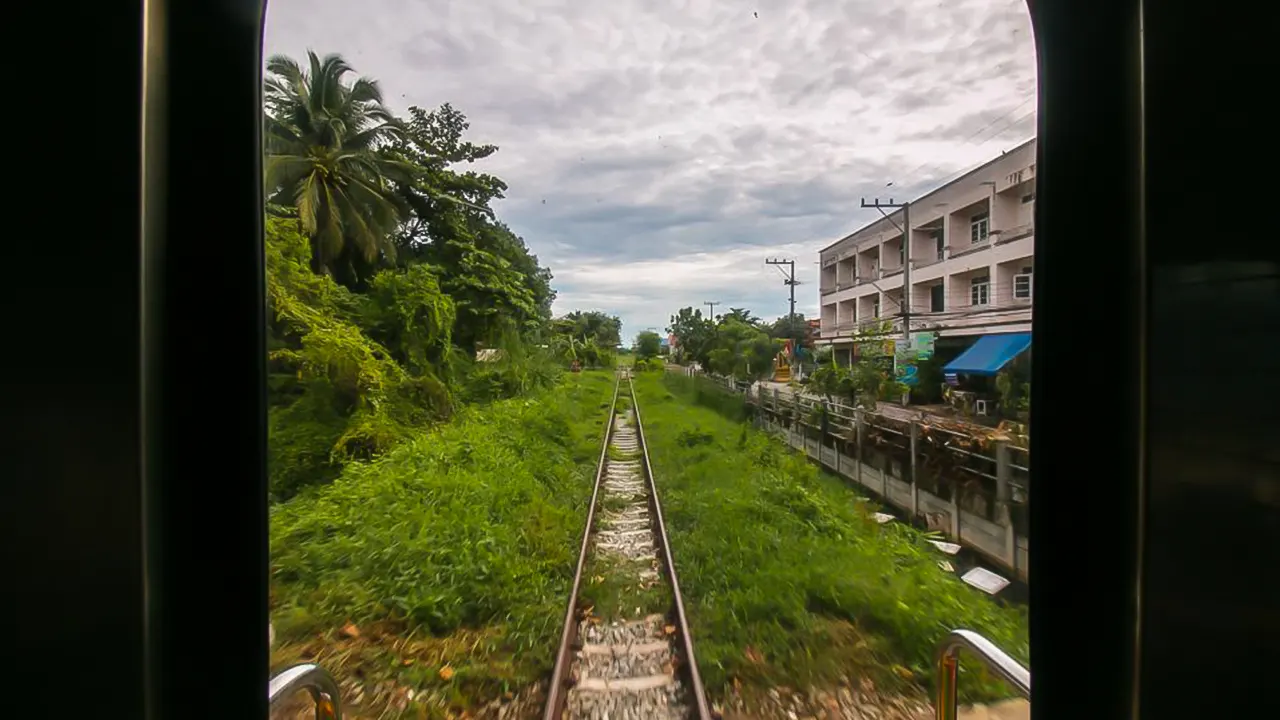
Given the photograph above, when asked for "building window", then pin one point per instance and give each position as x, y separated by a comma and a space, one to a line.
902, 254
937, 300
980, 290
875, 307
978, 228
937, 238
1022, 284
1028, 198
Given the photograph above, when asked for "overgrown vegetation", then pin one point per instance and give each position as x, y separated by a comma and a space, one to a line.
735, 344
395, 295
870, 378
787, 578
456, 547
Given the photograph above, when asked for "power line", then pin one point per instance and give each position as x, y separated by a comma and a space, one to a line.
926, 164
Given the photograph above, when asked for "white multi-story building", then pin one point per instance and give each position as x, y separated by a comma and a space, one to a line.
971, 244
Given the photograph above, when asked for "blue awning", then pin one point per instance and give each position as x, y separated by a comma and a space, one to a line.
989, 354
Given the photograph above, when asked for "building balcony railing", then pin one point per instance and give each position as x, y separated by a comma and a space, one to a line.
848, 328
1017, 232
829, 289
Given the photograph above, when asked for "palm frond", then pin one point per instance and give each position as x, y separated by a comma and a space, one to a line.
307, 201
285, 171
365, 90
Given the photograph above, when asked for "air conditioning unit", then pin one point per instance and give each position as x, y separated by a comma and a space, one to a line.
980, 407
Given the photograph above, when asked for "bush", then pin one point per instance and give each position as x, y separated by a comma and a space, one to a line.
336, 393
653, 364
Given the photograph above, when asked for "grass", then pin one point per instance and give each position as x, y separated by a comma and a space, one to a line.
444, 566
787, 578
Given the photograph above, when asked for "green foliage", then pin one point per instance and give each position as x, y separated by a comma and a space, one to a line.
409, 312
471, 525
653, 364
648, 345
780, 559
742, 350
793, 328
694, 336
588, 338
602, 329
517, 368
868, 379
1014, 385
386, 273
336, 393
741, 315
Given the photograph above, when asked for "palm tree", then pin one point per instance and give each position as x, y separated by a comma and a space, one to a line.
323, 139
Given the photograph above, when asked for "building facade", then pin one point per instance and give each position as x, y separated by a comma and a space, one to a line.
970, 245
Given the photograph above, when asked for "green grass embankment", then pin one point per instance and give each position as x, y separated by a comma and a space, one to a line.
787, 578
444, 566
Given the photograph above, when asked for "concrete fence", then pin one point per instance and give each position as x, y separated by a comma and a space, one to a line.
976, 498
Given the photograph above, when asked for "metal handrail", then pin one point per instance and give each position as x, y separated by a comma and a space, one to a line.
313, 679
997, 660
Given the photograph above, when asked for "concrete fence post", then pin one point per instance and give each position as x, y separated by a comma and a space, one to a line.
1004, 472
915, 489
1003, 514
859, 422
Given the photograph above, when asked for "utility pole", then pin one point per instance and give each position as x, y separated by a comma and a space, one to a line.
712, 305
792, 282
905, 229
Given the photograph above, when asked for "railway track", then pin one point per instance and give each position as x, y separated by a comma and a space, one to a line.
625, 652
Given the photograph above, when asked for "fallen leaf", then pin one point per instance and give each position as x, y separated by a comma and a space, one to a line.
670, 629
446, 672
406, 662
754, 655
903, 673
350, 630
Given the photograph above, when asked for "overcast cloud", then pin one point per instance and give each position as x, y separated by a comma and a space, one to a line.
658, 151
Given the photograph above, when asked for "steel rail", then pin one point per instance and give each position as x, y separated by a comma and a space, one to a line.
557, 693
690, 666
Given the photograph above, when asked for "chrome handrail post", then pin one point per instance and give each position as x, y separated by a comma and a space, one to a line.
315, 680
995, 659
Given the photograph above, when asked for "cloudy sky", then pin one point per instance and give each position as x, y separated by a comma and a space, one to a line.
659, 150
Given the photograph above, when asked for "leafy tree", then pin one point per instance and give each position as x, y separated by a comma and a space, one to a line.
322, 160
498, 285
792, 328
648, 345
742, 315
492, 296
604, 329
694, 334
742, 350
